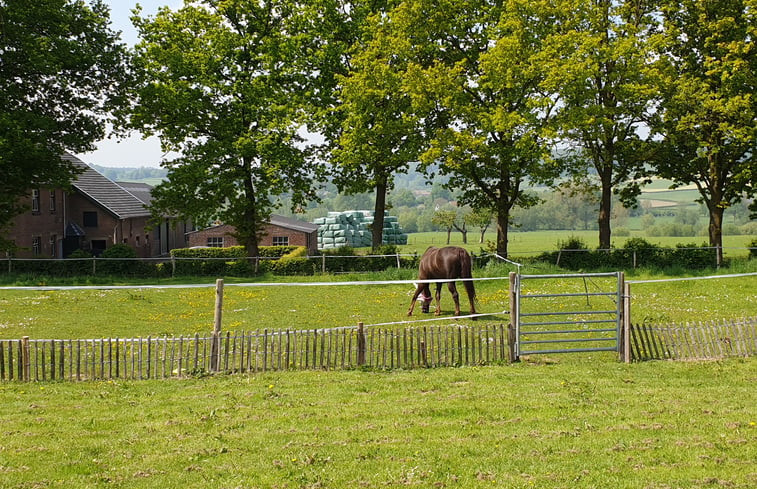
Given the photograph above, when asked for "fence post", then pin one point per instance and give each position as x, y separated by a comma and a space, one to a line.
323, 263
25, 359
512, 328
360, 345
626, 350
215, 347
94, 266
398, 261
511, 344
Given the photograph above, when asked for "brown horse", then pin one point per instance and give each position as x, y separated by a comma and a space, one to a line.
450, 262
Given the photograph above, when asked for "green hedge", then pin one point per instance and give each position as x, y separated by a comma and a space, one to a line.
228, 261
574, 255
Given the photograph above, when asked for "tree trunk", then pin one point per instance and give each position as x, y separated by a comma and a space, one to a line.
449, 233
377, 229
464, 231
503, 218
605, 209
249, 230
716, 230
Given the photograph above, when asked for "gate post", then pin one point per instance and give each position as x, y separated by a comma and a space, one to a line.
512, 328
626, 352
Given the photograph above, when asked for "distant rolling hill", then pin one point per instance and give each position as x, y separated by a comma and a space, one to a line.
150, 176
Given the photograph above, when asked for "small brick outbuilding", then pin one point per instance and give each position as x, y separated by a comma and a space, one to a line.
280, 231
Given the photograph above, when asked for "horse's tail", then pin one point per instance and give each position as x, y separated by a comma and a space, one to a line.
466, 267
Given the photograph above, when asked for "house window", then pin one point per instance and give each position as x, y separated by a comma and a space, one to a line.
90, 219
37, 245
35, 201
52, 202
53, 243
215, 241
281, 241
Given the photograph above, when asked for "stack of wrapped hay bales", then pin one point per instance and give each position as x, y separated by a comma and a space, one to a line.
351, 228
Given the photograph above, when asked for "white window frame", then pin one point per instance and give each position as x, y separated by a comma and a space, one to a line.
35, 201
36, 245
215, 242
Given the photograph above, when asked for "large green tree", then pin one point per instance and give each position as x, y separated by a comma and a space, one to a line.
475, 76
600, 67
378, 136
220, 84
709, 114
62, 71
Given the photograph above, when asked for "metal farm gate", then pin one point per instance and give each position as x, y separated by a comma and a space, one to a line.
585, 316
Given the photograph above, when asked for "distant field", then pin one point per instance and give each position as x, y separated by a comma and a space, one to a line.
535, 242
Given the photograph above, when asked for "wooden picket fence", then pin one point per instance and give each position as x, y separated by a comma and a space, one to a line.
698, 341
253, 351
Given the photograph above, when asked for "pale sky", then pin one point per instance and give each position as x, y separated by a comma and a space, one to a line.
133, 151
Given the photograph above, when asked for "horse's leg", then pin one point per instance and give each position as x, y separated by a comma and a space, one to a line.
417, 292
426, 298
453, 290
438, 295
472, 300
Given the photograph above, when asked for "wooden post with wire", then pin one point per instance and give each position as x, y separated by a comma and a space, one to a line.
25, 359
360, 345
215, 349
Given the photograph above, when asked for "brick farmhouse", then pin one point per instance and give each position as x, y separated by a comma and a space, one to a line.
93, 215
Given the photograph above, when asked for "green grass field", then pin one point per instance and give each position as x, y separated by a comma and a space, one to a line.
573, 422
579, 420
535, 242
81, 314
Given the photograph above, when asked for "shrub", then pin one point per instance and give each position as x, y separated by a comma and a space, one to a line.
208, 261
753, 249
692, 256
292, 266
112, 266
749, 228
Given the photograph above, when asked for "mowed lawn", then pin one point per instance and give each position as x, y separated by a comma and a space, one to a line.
570, 421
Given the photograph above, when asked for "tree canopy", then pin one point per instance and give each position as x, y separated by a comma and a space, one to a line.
62, 72
219, 84
601, 72
473, 74
708, 120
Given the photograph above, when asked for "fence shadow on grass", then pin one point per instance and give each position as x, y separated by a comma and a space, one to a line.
698, 341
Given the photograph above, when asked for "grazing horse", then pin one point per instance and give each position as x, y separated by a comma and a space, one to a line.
450, 262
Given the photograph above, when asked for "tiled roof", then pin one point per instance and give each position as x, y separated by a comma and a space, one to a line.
295, 224
106, 193
142, 191
276, 220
